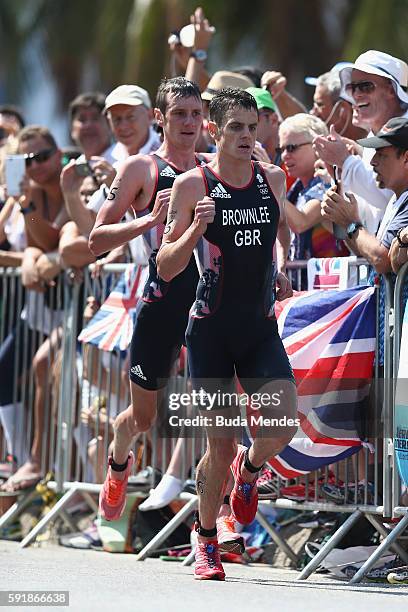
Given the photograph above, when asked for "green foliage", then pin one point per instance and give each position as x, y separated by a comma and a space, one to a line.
379, 24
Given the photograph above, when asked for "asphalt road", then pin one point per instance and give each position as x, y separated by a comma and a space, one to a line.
101, 581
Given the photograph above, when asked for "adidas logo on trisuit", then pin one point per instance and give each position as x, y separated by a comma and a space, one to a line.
219, 192
138, 371
168, 171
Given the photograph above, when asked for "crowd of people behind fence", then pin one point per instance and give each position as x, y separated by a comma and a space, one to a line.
346, 194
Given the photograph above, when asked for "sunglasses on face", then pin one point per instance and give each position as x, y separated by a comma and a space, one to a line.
40, 157
291, 148
362, 86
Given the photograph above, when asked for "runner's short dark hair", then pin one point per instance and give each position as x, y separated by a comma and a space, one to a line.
179, 87
229, 98
13, 111
86, 100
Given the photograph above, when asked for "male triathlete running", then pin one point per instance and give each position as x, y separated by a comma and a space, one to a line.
232, 211
143, 183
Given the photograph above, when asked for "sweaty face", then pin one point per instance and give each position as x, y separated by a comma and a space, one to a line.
370, 108
322, 103
90, 131
299, 161
389, 168
130, 125
42, 172
182, 120
236, 138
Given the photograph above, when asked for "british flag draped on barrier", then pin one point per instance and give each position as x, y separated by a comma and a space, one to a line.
330, 340
112, 326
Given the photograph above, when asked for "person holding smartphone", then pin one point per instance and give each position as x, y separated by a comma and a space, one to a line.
41, 210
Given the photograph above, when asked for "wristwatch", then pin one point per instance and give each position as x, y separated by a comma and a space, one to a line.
199, 54
30, 208
352, 228
401, 243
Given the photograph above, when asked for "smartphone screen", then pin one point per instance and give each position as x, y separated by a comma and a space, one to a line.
15, 169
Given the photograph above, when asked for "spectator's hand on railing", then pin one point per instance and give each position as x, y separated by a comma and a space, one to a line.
275, 82
260, 154
48, 267
283, 286
30, 276
399, 254
91, 308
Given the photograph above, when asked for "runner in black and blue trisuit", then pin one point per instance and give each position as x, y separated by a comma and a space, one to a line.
237, 207
143, 184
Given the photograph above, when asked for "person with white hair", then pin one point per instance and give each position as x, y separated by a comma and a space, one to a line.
309, 237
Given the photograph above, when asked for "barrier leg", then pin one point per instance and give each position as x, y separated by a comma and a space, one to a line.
189, 559
383, 531
335, 539
48, 518
160, 537
280, 542
90, 500
17, 508
383, 547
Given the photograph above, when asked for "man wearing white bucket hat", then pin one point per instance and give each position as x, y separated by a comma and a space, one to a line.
376, 85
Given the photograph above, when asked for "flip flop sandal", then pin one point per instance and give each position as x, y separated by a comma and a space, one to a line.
31, 484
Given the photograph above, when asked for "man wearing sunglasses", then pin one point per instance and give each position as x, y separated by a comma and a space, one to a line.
376, 86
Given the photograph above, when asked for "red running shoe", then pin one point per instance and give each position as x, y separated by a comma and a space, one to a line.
207, 561
244, 495
112, 497
228, 539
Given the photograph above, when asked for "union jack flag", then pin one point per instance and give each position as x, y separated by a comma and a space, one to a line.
330, 338
112, 326
331, 273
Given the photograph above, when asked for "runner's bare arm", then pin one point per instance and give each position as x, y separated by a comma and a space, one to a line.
190, 211
109, 231
277, 181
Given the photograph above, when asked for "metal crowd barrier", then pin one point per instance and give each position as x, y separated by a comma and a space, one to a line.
394, 316
105, 376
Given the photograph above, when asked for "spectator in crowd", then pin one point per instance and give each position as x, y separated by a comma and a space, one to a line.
275, 82
390, 165
331, 108
90, 129
41, 205
375, 84
267, 133
128, 109
11, 122
309, 238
